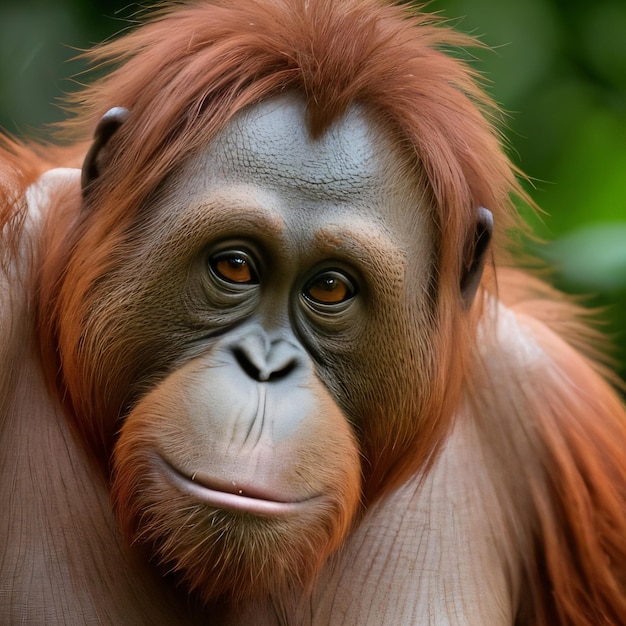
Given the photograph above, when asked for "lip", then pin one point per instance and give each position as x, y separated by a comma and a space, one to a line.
224, 495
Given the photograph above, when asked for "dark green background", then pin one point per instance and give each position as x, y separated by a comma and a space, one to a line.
557, 67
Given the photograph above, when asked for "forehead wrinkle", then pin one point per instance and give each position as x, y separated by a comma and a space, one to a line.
269, 143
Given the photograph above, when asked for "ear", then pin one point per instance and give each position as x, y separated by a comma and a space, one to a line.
98, 155
476, 253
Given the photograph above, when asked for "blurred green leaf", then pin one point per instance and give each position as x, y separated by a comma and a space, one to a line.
591, 174
593, 257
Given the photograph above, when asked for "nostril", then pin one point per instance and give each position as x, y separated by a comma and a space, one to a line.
266, 372
283, 371
246, 364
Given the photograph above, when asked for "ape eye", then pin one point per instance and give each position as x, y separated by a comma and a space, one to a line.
234, 266
330, 288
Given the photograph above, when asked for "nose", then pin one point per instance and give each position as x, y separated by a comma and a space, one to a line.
266, 360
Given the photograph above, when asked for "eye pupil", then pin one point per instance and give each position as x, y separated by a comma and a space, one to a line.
329, 284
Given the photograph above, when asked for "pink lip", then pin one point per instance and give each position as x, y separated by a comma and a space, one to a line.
224, 495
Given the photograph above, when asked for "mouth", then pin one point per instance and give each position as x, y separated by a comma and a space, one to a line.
229, 495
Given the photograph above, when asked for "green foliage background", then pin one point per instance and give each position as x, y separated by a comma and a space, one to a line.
557, 67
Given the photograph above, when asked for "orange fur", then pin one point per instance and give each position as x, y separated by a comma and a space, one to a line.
558, 431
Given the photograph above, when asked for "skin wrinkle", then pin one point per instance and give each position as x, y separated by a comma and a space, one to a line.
260, 418
251, 153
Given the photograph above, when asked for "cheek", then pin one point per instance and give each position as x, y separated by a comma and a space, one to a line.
385, 387
240, 488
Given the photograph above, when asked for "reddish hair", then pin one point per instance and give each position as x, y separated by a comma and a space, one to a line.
19, 167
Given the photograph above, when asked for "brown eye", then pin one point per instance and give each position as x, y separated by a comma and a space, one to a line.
331, 287
234, 266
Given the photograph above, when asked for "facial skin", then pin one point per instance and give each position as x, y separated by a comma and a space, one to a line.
267, 314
